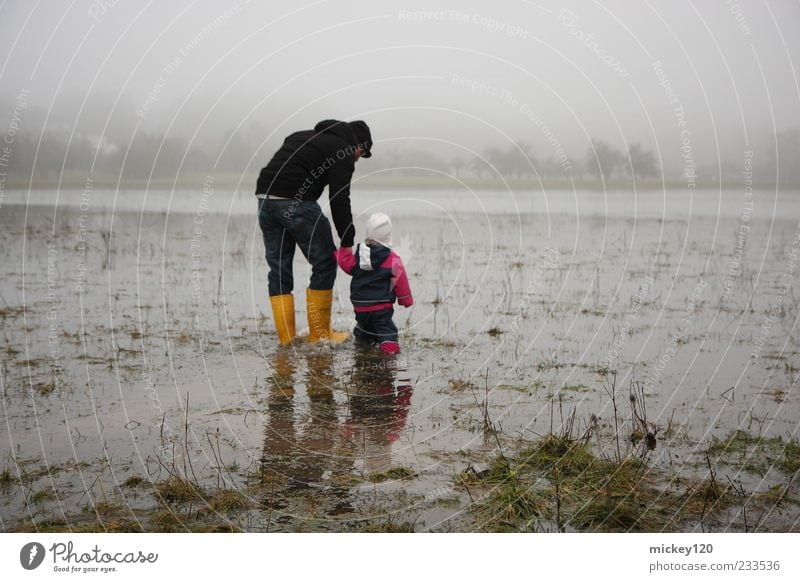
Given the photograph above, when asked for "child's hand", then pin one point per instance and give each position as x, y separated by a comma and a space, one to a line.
345, 259
406, 300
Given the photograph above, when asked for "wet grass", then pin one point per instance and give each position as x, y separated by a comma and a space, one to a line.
776, 496
56, 525
495, 332
43, 388
6, 312
32, 469
575, 388
166, 521
545, 486
6, 478
559, 484
707, 496
549, 363
393, 474
388, 526
228, 501
756, 454
162, 521
458, 385
179, 490
105, 508
110, 516
790, 461
777, 394
135, 481
42, 496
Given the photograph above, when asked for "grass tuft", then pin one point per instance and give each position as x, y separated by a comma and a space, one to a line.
230, 501
166, 521
756, 454
178, 489
457, 385
6, 478
393, 474
559, 483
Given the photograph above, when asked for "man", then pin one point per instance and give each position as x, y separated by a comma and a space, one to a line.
289, 215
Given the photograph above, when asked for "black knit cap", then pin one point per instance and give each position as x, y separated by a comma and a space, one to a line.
361, 129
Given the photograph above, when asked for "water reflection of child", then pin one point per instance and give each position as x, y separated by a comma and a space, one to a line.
379, 403
379, 279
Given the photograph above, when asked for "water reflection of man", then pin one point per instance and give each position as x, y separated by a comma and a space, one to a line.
300, 452
305, 448
279, 433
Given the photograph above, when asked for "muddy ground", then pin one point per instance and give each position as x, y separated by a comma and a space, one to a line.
143, 388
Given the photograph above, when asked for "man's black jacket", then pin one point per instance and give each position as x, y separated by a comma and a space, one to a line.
308, 161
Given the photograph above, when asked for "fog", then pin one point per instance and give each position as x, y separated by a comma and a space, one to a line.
226, 82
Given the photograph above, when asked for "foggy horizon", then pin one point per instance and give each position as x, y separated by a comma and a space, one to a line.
452, 79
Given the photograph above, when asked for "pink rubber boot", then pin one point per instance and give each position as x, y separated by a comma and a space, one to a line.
390, 348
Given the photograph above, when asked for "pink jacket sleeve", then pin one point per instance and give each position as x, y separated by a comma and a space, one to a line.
346, 259
400, 281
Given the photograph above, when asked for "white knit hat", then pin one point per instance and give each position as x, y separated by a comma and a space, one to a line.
379, 229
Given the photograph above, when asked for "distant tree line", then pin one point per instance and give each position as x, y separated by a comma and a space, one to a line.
148, 155
520, 160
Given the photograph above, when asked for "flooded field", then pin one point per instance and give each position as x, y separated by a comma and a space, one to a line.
575, 361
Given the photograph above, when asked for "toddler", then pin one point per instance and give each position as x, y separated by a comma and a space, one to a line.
379, 279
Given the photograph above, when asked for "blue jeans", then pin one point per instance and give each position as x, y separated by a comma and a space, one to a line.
375, 327
286, 223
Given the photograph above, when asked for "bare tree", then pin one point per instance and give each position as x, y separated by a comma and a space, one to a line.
602, 159
641, 163
455, 165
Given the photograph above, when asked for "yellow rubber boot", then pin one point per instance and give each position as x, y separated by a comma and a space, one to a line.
283, 312
319, 317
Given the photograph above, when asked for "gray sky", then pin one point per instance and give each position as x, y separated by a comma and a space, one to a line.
469, 74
